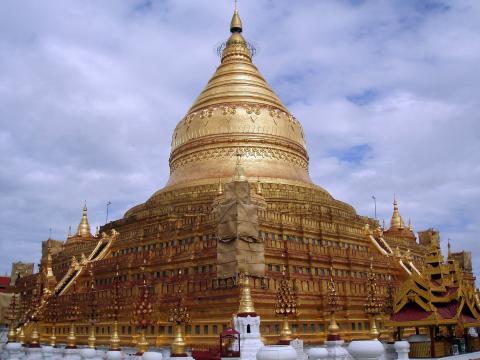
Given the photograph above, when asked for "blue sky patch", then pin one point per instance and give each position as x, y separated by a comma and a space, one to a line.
365, 97
354, 154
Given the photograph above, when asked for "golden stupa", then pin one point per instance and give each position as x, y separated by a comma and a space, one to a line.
239, 200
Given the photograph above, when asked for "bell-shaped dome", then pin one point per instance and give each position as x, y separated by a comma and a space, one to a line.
238, 114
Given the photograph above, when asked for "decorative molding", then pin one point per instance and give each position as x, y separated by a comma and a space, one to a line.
246, 151
182, 133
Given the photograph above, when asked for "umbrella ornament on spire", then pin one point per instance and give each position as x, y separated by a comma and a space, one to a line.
143, 309
114, 309
35, 311
333, 301
373, 305
52, 315
73, 315
286, 306
179, 315
11, 317
92, 309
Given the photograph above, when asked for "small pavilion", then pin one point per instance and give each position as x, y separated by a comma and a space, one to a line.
442, 307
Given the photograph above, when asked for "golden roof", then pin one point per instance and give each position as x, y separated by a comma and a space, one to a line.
237, 113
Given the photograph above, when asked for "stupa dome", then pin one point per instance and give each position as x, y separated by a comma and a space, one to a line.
238, 114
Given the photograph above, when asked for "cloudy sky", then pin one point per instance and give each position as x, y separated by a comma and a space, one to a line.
90, 92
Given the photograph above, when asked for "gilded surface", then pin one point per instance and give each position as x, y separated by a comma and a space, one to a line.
200, 232
238, 110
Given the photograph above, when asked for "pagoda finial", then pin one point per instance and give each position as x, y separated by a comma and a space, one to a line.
83, 229
236, 23
236, 48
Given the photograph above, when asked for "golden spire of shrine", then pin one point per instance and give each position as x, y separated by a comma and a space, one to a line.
83, 229
246, 302
397, 221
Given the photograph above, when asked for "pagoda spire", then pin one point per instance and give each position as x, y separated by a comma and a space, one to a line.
236, 23
246, 302
236, 48
83, 229
397, 221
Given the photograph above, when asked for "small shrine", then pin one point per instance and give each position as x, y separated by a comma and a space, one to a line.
440, 305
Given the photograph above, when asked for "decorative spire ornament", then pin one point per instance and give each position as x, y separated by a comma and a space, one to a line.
389, 303
373, 305
34, 314
92, 313
21, 336
73, 315
286, 306
12, 317
143, 310
52, 314
389, 299
236, 23
333, 301
396, 221
179, 316
114, 309
246, 306
83, 229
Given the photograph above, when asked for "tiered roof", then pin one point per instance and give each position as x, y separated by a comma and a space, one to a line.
437, 296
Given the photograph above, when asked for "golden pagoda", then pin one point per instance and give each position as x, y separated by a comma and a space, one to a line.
239, 200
